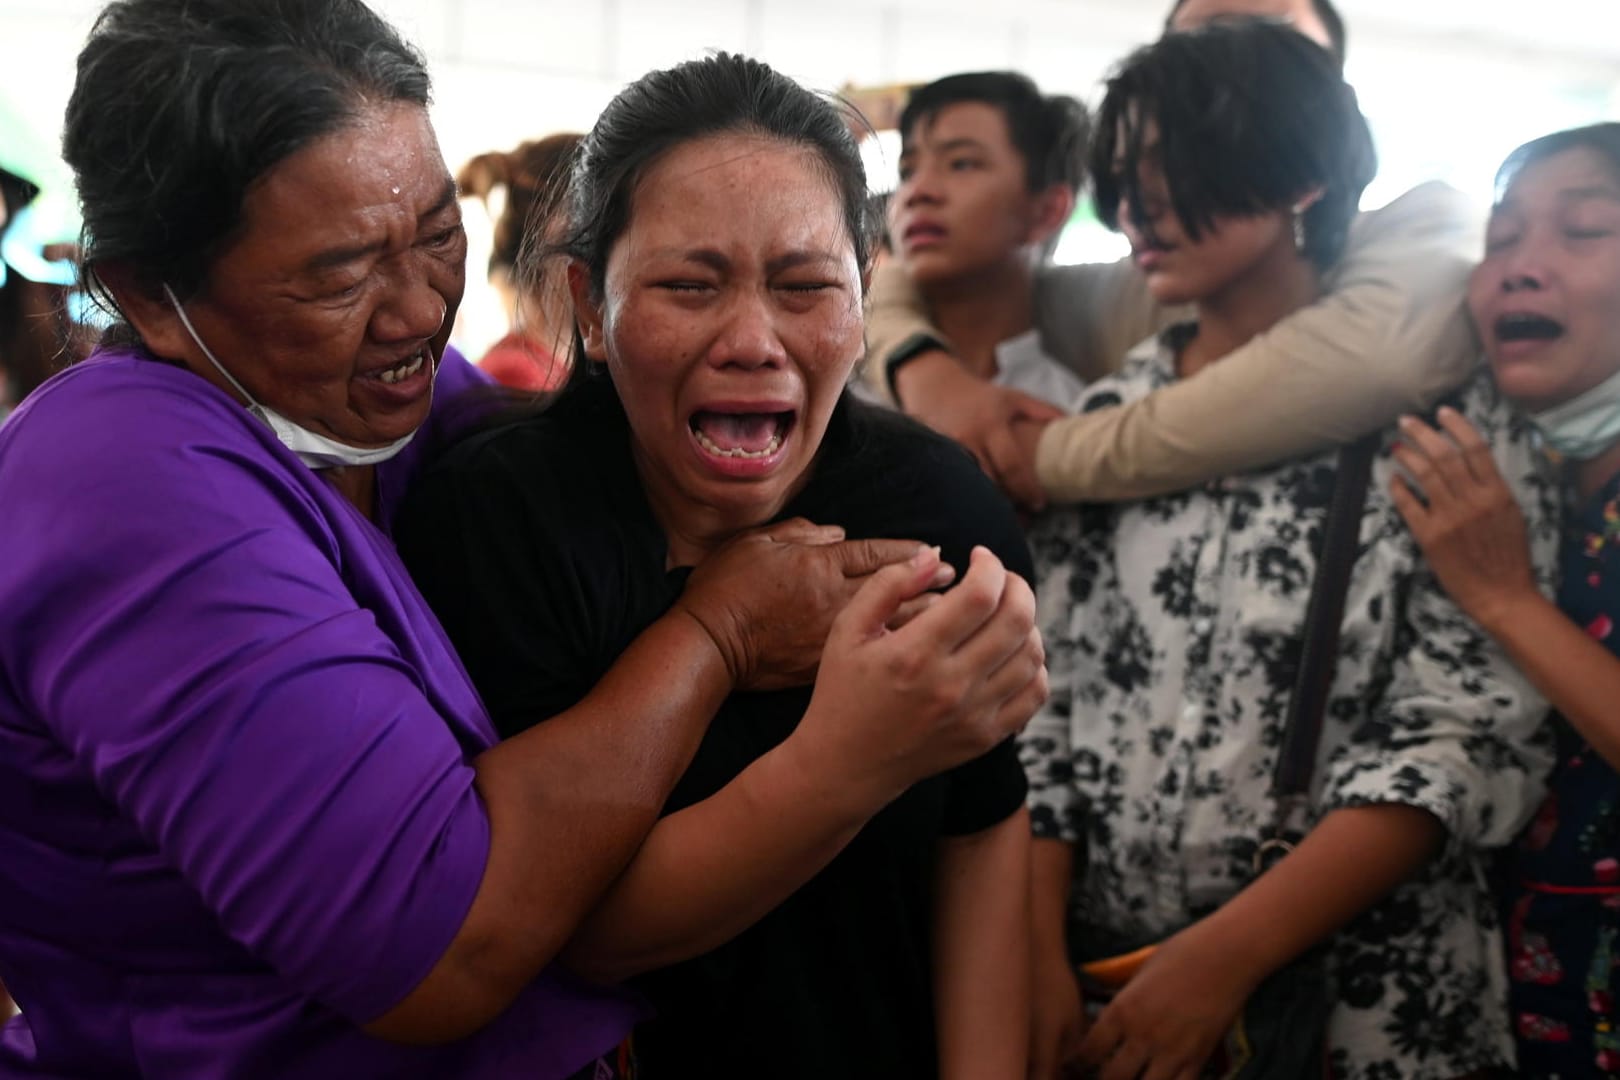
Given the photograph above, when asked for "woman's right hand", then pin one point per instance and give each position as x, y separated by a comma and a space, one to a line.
899, 698
768, 597
1464, 516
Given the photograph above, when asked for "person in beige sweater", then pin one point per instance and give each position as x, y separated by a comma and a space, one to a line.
1388, 336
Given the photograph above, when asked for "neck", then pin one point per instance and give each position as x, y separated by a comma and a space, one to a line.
358, 484
688, 537
980, 311
1592, 474
1281, 284
693, 529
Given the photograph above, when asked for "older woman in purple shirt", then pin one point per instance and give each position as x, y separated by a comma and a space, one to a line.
252, 817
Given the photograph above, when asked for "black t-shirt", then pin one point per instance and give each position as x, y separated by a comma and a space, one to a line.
536, 547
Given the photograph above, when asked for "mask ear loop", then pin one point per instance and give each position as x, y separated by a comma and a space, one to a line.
253, 406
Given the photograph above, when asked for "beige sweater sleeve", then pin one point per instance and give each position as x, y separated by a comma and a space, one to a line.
1390, 336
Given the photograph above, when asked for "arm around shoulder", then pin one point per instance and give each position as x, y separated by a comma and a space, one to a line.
1389, 336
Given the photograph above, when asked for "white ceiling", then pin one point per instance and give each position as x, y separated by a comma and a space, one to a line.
1581, 28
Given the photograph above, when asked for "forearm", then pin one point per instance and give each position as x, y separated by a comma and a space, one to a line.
1577, 675
1390, 338
981, 953
708, 872
1349, 861
1182, 435
568, 803
930, 380
895, 315
1051, 870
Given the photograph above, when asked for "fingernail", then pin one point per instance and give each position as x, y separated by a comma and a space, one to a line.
1406, 421
925, 555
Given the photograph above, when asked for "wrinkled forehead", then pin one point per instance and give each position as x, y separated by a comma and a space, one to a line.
1300, 13
1578, 174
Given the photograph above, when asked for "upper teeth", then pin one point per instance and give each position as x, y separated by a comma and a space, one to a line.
403, 370
713, 447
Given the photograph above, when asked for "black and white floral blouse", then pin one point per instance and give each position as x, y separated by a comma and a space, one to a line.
1171, 630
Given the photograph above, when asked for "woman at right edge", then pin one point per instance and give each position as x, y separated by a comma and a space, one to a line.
1546, 302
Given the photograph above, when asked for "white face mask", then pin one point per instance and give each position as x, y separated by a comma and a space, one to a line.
313, 449
1585, 426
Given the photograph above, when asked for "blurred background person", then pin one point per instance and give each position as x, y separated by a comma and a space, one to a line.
989, 171
39, 333
535, 353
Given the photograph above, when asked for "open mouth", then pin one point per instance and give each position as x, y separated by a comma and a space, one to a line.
402, 370
749, 436
1526, 327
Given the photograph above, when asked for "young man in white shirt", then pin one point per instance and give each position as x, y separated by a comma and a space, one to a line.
989, 171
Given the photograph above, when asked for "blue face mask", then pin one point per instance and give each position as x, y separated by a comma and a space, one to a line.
1584, 426
313, 449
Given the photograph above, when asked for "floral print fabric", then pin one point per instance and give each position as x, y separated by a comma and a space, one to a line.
1172, 629
1564, 912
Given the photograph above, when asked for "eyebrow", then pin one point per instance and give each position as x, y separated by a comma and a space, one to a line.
960, 143
337, 256
718, 262
1606, 192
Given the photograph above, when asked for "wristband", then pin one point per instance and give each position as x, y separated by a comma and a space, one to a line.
907, 351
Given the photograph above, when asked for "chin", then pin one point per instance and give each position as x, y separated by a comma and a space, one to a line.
397, 427
1172, 293
1528, 385
747, 504
930, 268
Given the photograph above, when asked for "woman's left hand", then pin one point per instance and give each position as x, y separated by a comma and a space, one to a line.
1170, 1017
1471, 531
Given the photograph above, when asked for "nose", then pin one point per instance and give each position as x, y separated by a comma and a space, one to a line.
1131, 213
1132, 225
920, 187
748, 338
1524, 266
412, 309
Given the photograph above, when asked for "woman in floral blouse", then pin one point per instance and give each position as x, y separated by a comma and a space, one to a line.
1546, 301
1233, 159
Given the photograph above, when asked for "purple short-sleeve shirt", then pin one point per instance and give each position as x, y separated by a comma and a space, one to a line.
237, 816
